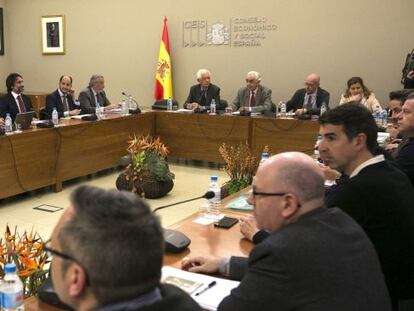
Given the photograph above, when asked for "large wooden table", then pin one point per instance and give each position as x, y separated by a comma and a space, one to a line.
42, 157
205, 240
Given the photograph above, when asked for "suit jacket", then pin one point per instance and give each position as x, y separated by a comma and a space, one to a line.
88, 102
405, 159
8, 105
55, 101
263, 99
298, 98
322, 262
380, 198
172, 299
194, 96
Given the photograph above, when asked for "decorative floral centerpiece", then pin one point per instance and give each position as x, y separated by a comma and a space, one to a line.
147, 174
29, 256
240, 164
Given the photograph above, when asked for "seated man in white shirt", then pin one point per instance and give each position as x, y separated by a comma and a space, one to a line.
62, 99
94, 94
15, 101
253, 97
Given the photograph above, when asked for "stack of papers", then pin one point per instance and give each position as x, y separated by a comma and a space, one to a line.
240, 203
194, 283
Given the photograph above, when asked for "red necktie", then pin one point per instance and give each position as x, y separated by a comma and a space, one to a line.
252, 100
22, 107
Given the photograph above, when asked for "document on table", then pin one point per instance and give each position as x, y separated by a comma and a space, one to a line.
240, 203
209, 299
79, 116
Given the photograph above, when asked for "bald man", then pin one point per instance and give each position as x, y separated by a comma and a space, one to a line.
62, 99
314, 259
309, 99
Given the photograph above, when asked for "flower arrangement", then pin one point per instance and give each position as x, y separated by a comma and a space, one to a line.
29, 256
148, 173
240, 164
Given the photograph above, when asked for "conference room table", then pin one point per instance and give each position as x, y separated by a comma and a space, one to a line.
42, 157
205, 240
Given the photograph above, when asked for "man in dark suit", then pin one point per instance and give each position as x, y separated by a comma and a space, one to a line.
309, 99
62, 99
203, 93
95, 93
377, 194
122, 222
314, 259
253, 97
405, 153
14, 102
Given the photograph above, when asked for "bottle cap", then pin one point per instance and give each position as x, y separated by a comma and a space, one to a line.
10, 268
265, 155
213, 178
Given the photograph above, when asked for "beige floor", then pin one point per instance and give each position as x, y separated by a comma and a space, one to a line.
190, 181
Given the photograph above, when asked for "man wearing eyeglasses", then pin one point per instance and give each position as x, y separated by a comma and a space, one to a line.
253, 97
107, 253
314, 259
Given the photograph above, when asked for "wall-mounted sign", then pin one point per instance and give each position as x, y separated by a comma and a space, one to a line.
236, 32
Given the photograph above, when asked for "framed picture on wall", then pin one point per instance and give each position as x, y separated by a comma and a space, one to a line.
53, 34
1, 33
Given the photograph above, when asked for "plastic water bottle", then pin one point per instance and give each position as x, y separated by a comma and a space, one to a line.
11, 290
124, 107
283, 109
214, 206
384, 118
213, 107
264, 157
8, 124
323, 108
129, 103
55, 117
98, 111
169, 104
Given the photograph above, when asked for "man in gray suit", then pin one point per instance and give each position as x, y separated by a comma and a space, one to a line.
95, 93
253, 97
314, 258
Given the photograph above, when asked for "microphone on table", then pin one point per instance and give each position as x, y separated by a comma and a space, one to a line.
175, 241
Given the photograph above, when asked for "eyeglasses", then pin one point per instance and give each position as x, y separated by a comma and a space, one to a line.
50, 252
278, 194
250, 81
268, 194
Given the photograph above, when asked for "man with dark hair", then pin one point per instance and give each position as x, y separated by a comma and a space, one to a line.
314, 258
94, 94
107, 254
14, 102
62, 99
377, 194
405, 153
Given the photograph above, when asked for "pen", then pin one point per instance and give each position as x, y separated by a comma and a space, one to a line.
206, 288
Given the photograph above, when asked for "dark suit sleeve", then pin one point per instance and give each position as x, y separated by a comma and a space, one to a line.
3, 108
190, 97
85, 103
106, 100
216, 96
265, 281
405, 159
51, 102
295, 102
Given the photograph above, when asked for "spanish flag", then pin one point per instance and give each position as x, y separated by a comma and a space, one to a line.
163, 78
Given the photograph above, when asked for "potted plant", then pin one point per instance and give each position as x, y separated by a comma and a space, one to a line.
28, 254
147, 174
240, 164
